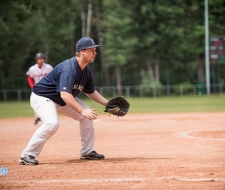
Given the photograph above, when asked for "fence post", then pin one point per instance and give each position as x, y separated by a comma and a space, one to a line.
19, 95
5, 95
128, 92
168, 90
101, 90
154, 91
140, 91
194, 90
181, 91
114, 91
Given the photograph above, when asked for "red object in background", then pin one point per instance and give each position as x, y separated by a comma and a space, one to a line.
217, 47
218, 43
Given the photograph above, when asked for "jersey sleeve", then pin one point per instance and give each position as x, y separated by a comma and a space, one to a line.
65, 82
30, 82
50, 68
30, 73
89, 88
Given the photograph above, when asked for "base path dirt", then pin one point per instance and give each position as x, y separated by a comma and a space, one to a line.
143, 151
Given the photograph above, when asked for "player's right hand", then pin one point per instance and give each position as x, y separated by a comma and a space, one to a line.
89, 113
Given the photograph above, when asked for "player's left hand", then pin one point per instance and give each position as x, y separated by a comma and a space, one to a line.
89, 113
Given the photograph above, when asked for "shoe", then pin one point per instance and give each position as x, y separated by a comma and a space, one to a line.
37, 120
28, 160
93, 156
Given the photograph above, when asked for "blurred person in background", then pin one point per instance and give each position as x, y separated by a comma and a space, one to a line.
36, 72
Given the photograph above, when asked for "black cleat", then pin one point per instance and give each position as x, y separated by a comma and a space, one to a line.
93, 156
37, 120
28, 160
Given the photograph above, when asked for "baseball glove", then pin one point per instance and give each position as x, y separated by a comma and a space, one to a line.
117, 106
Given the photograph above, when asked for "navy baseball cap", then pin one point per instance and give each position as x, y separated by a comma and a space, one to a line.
85, 43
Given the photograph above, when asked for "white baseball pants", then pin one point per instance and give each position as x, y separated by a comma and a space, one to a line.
47, 111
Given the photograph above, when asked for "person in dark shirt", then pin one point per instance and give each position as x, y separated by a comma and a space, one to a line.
57, 93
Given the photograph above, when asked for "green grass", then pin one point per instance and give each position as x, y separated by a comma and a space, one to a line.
138, 105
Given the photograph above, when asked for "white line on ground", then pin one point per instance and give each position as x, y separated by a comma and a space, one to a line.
200, 179
188, 135
117, 180
80, 180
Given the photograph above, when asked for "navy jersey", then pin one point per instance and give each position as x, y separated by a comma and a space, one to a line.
68, 77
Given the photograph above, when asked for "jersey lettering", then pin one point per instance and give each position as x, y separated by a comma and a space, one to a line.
67, 76
79, 87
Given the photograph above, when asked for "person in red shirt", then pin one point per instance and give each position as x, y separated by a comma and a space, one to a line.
36, 73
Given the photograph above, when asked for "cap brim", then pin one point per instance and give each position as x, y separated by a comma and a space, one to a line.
94, 46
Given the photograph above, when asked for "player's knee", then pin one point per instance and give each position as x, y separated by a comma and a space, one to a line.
52, 126
87, 122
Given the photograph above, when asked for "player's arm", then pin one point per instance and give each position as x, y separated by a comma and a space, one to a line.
30, 82
70, 101
97, 97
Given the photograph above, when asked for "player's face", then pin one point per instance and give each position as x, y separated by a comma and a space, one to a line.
40, 61
89, 54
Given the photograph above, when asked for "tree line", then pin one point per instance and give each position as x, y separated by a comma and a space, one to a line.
144, 42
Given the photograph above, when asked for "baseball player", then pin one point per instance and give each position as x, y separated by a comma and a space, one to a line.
37, 72
57, 93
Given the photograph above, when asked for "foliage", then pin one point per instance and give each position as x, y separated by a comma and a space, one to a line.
119, 42
136, 35
183, 89
148, 81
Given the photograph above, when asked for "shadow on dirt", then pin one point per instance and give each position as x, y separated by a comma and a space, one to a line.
116, 160
113, 160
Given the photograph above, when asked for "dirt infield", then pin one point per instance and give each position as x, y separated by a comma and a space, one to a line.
146, 151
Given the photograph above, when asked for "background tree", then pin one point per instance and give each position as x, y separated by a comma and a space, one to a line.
13, 49
159, 31
119, 40
158, 42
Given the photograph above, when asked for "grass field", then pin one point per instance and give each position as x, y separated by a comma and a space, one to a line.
138, 105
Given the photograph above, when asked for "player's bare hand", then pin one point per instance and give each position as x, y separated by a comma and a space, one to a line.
89, 113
